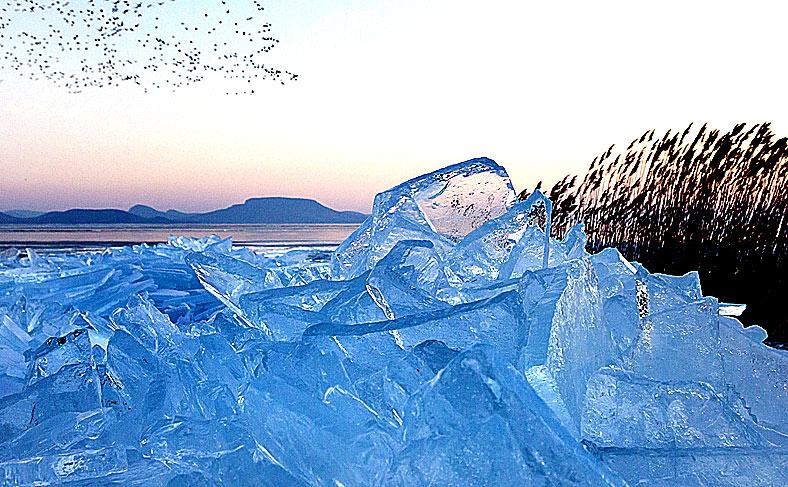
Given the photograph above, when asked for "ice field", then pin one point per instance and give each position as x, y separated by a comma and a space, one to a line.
448, 341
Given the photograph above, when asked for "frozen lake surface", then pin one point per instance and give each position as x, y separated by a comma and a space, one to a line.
60, 238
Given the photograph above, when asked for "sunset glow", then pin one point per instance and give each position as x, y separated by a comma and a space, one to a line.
391, 89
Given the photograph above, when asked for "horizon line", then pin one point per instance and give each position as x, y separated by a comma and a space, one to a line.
228, 205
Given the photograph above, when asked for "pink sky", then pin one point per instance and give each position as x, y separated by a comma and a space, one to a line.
390, 90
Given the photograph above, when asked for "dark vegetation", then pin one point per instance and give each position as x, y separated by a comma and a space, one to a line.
701, 199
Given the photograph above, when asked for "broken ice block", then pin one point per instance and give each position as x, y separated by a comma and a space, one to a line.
755, 374
686, 334
410, 279
619, 292
68, 467
229, 273
141, 319
378, 234
728, 467
61, 433
302, 406
566, 333
57, 353
131, 368
412, 268
284, 313
624, 410
486, 252
496, 321
479, 423
456, 199
435, 353
74, 388
533, 251
666, 292
442, 207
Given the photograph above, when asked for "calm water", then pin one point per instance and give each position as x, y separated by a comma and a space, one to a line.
92, 237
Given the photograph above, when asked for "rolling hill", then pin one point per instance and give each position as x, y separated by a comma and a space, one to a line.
259, 211
272, 210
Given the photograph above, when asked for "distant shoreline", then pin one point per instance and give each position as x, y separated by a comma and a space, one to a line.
57, 237
254, 211
22, 227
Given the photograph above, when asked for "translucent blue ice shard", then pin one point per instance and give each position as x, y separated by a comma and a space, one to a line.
413, 268
410, 279
57, 353
754, 374
497, 321
284, 313
229, 273
478, 422
685, 333
491, 250
74, 388
566, 332
443, 207
76, 466
619, 290
625, 410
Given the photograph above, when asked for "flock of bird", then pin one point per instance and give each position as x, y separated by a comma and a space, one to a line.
79, 44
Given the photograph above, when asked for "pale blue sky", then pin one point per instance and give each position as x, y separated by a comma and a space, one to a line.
391, 89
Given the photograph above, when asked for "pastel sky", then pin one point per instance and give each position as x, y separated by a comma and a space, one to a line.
390, 89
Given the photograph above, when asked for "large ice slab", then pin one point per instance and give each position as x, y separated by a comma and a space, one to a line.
567, 340
442, 206
479, 423
754, 374
723, 467
624, 410
496, 249
497, 321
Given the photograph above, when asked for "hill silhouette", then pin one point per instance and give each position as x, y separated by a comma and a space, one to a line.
272, 210
89, 216
259, 211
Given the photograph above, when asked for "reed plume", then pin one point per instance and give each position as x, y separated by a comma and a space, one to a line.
697, 199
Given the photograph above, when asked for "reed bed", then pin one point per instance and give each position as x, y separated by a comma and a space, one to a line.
698, 199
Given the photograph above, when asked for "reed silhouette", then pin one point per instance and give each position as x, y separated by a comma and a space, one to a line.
700, 199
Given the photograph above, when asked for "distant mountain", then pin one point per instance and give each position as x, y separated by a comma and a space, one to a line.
23, 213
6, 218
145, 211
252, 211
259, 210
87, 217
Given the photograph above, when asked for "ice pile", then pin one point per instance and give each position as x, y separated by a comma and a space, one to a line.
449, 341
